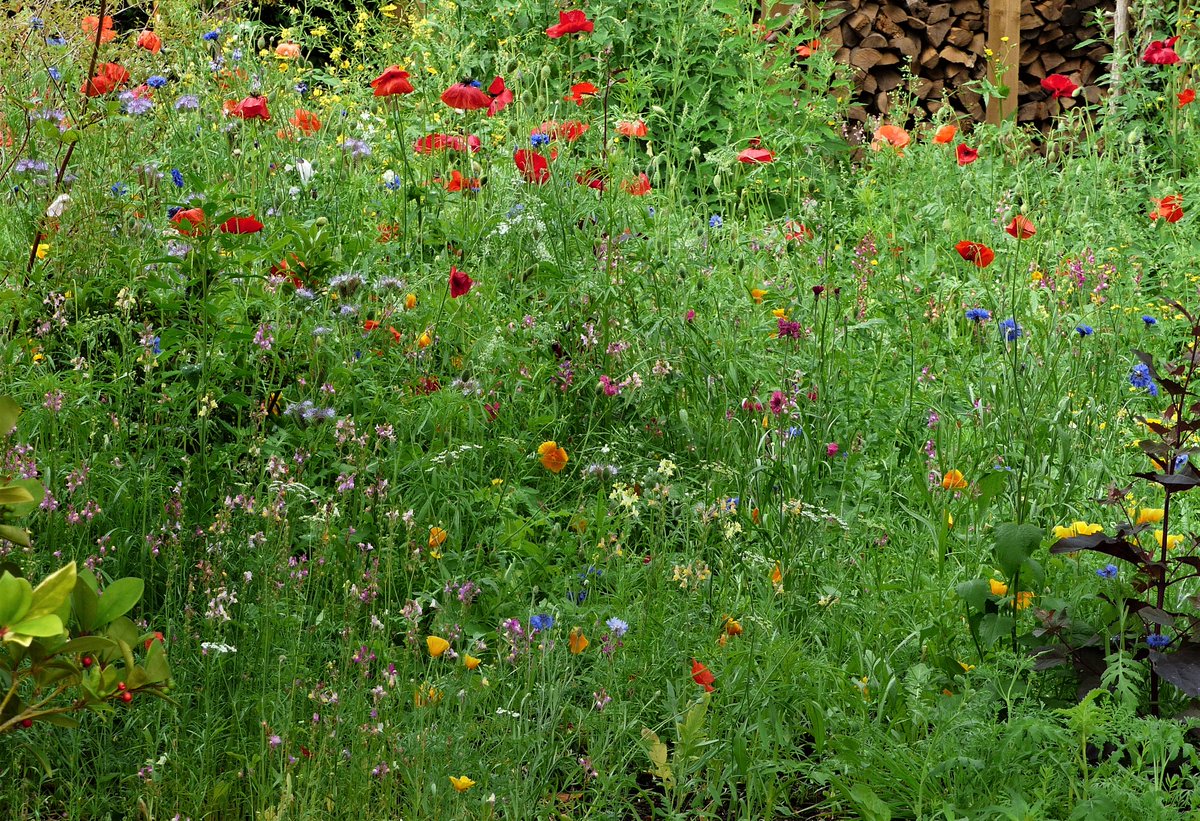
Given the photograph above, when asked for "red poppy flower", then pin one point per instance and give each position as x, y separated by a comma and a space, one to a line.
1169, 208
466, 97
1059, 85
703, 676
501, 96
1188, 95
892, 135
1161, 52
370, 325
946, 134
190, 222
639, 187
150, 41
756, 156
107, 35
252, 108
458, 182
571, 130
581, 92
241, 225
109, 77
460, 283
532, 165
306, 121
796, 231
395, 334
394, 80
805, 50
591, 177
966, 154
1020, 227
635, 129
571, 22
975, 252
439, 142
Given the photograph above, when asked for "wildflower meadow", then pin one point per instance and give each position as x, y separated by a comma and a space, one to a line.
516, 410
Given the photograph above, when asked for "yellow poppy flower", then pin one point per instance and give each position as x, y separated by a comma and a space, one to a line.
461, 783
1173, 541
999, 588
732, 626
436, 645
757, 294
777, 578
577, 641
43, 250
1086, 528
424, 340
470, 662
1149, 515
426, 696
410, 301
953, 480
437, 537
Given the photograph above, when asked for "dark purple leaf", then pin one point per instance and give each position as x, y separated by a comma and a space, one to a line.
1171, 481
1114, 546
1181, 668
1152, 615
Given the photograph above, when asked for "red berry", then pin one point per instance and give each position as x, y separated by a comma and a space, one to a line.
121, 686
87, 661
27, 723
126, 697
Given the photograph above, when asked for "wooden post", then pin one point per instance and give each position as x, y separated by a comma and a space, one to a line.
1004, 40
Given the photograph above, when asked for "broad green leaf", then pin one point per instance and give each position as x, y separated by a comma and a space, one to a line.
9, 411
657, 751
118, 599
870, 804
1014, 544
39, 627
974, 593
14, 495
36, 492
16, 535
86, 603
16, 595
54, 590
123, 630
86, 644
157, 669
60, 720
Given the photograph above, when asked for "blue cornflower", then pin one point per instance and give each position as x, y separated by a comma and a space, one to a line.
301, 88
475, 84
978, 314
56, 40
715, 221
236, 54
1139, 377
119, 189
177, 177
173, 210
1180, 461
155, 345
541, 622
1109, 571
1149, 320
1084, 330
55, 74
1012, 331
213, 35
37, 23
618, 626
156, 81
537, 138
1157, 641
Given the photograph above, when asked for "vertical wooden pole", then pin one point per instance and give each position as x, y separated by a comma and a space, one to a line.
1004, 40
1120, 44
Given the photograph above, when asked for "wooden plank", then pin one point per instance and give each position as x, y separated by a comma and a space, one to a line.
1004, 40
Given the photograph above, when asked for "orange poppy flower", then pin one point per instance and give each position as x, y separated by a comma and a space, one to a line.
150, 41
552, 457
635, 129
287, 51
581, 92
306, 121
107, 35
946, 134
892, 135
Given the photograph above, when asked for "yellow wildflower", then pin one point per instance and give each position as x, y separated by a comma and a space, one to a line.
577, 641
953, 480
437, 645
470, 662
552, 457
461, 783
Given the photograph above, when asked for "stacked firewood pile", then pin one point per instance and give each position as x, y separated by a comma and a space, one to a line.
945, 44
